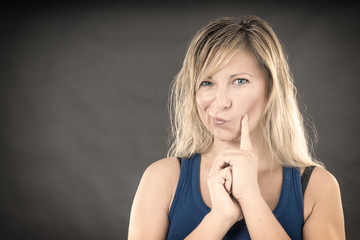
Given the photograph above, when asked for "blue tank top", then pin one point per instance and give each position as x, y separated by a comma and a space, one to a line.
188, 208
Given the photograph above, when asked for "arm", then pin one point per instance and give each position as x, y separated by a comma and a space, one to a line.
211, 227
260, 220
150, 209
326, 220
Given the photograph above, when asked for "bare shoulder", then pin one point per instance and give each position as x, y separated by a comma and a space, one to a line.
322, 182
169, 163
165, 170
322, 185
149, 212
161, 178
323, 210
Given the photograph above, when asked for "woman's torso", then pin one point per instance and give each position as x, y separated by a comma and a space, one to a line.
188, 207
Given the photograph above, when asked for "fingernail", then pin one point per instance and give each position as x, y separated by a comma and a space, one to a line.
246, 117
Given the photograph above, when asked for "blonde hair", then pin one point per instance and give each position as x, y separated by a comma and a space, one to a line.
212, 47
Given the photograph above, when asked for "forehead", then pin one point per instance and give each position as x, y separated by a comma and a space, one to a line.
236, 62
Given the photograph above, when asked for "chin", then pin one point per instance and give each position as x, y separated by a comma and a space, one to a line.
224, 136
225, 139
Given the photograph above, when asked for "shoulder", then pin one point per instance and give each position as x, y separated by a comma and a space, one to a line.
161, 177
322, 193
150, 208
319, 176
323, 212
163, 169
322, 182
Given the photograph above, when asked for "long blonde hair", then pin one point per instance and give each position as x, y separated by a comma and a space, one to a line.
212, 47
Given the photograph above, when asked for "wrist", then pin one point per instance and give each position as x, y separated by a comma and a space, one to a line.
225, 220
252, 195
211, 227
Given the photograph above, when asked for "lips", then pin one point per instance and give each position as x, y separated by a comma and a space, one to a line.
218, 121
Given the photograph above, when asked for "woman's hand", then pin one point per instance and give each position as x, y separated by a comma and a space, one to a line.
225, 210
243, 164
222, 203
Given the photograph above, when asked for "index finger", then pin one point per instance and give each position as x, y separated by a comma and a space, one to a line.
245, 141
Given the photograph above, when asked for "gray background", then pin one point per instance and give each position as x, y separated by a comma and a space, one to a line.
84, 90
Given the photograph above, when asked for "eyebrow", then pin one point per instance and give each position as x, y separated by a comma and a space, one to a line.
237, 74
242, 73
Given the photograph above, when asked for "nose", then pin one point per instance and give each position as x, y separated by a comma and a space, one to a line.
223, 99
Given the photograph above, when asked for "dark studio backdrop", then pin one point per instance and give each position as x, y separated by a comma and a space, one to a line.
83, 97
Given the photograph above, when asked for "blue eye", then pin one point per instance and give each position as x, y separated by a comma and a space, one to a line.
240, 81
205, 83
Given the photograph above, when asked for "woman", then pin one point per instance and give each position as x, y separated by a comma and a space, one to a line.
244, 162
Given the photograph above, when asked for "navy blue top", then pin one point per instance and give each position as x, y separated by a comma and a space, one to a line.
188, 208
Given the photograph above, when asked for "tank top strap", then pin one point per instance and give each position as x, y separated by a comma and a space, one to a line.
196, 185
290, 208
291, 187
297, 187
185, 213
183, 178
186, 184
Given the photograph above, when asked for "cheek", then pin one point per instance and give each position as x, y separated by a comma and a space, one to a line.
203, 101
255, 109
252, 105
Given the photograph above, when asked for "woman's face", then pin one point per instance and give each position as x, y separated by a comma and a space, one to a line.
237, 89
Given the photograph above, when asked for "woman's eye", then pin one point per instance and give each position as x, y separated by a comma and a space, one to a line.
205, 83
240, 81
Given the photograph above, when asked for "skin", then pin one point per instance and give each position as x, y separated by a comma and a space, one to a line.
235, 179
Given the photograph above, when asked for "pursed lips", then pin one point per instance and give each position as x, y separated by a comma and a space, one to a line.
218, 121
